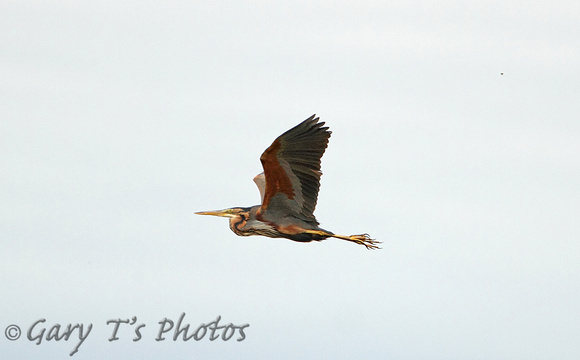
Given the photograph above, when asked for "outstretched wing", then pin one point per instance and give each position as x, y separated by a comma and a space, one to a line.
292, 170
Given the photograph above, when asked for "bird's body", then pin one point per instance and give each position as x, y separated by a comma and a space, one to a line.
289, 190
245, 222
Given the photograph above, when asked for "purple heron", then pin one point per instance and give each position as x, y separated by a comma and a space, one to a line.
289, 190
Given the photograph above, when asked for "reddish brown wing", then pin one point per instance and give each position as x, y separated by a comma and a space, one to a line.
292, 169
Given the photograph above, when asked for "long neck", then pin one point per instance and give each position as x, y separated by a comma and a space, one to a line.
246, 224
238, 222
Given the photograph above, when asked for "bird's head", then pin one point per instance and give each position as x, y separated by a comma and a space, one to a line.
238, 218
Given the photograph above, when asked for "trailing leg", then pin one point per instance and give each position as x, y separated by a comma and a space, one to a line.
363, 239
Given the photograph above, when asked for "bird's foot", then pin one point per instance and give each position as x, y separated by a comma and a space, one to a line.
365, 239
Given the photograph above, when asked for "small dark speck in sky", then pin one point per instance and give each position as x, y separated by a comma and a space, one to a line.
501, 74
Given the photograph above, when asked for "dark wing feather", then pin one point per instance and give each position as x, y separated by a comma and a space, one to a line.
292, 169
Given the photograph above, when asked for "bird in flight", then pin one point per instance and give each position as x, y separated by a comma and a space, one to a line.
289, 190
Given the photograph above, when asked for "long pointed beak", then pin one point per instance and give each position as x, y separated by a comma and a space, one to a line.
222, 213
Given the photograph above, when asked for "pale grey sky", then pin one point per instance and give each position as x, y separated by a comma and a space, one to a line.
119, 120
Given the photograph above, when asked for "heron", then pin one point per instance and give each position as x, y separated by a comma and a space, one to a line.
289, 189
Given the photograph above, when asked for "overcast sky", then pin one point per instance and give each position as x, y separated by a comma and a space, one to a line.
456, 142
